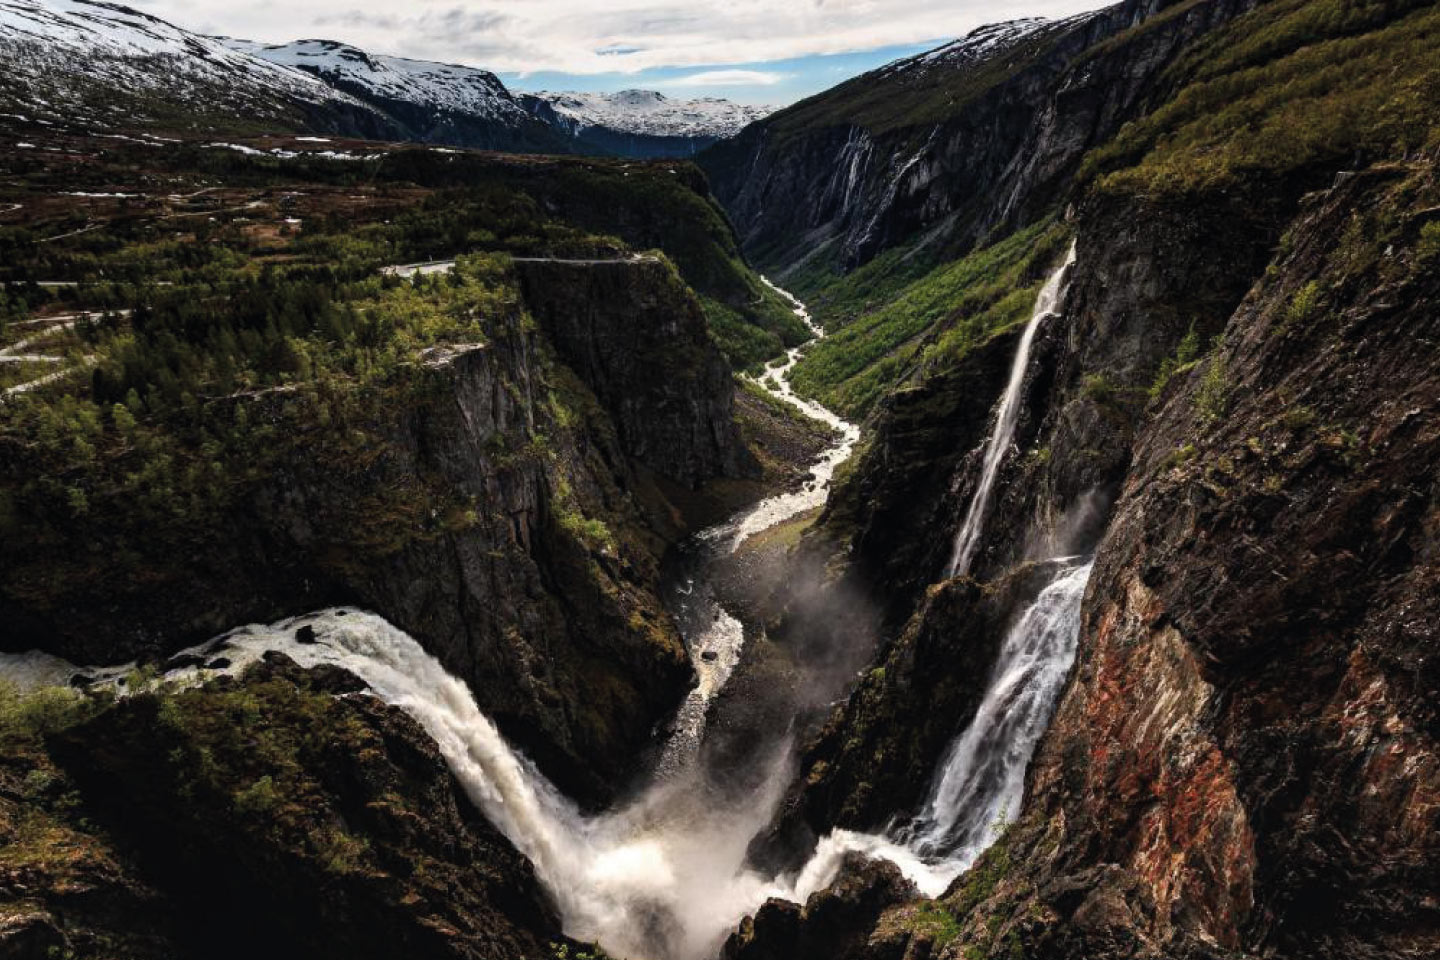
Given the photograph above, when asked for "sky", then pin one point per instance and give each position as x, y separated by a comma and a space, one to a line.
753, 51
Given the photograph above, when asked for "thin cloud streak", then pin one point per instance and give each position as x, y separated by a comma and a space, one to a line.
624, 36
724, 78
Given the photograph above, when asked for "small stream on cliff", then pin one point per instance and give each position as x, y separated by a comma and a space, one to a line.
665, 876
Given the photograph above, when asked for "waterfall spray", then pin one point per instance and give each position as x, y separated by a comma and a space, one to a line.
1007, 415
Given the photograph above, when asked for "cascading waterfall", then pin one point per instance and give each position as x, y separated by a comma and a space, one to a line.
1006, 417
663, 876
981, 781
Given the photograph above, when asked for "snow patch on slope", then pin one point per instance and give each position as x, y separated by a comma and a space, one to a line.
58, 50
654, 114
982, 43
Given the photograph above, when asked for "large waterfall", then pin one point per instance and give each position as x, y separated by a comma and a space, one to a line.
1006, 416
661, 877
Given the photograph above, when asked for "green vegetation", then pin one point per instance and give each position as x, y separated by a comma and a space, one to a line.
28, 715
1184, 359
932, 920
1294, 84
590, 531
196, 398
248, 329
836, 299
260, 749
955, 306
1212, 398
748, 344
1428, 249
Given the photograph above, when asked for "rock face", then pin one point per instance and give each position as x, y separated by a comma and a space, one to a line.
949, 146
1244, 762
834, 923
1250, 736
539, 583
1131, 301
637, 338
313, 826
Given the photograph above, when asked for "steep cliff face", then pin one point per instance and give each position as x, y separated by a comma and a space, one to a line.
1250, 735
496, 507
1245, 760
946, 149
665, 382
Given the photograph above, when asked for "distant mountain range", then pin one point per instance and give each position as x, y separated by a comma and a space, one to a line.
110, 66
642, 122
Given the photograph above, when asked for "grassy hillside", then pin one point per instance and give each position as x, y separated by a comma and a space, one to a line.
935, 319
1295, 85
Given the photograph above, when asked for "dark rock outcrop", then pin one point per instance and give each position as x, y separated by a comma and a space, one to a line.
638, 339
835, 923
316, 827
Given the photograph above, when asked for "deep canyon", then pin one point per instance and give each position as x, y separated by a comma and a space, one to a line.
986, 510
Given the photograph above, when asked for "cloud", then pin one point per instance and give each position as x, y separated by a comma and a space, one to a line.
627, 36
724, 78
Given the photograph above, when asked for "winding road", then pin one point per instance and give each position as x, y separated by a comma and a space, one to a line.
445, 266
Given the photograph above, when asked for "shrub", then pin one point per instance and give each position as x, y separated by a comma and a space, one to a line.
30, 714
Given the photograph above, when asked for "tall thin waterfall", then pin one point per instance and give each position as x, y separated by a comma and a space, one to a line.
1046, 305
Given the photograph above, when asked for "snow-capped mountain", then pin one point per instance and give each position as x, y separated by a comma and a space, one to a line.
654, 114
438, 86
431, 102
101, 64
104, 63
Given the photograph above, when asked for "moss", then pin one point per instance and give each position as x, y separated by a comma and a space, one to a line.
1184, 359
1180, 455
984, 878
1428, 249
933, 921
1212, 398
28, 715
